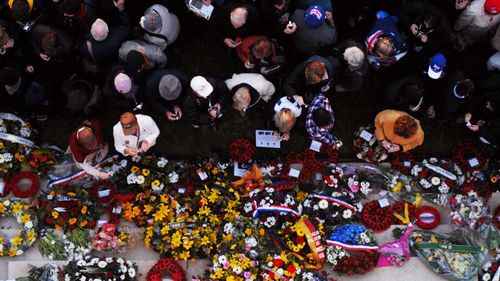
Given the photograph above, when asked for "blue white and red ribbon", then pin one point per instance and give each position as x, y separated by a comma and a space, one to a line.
80, 173
273, 208
351, 247
335, 200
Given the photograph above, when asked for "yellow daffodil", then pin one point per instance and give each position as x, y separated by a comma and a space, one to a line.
134, 169
55, 214
2, 208
184, 255
165, 230
16, 241
17, 207
145, 172
165, 199
25, 218
12, 252
205, 241
186, 243
204, 211
155, 183
158, 216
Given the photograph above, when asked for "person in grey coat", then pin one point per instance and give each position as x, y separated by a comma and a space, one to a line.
161, 27
154, 56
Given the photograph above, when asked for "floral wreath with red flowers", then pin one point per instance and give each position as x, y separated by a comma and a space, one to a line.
489, 269
402, 162
468, 157
427, 217
360, 263
41, 161
103, 191
435, 175
311, 162
166, 267
379, 219
366, 147
13, 184
242, 150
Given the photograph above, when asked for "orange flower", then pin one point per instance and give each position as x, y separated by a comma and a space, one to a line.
58, 227
72, 221
84, 209
83, 223
494, 179
262, 232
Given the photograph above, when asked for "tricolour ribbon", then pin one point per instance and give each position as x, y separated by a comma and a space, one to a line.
81, 173
335, 200
273, 209
351, 247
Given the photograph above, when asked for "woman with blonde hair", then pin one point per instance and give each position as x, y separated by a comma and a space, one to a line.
286, 112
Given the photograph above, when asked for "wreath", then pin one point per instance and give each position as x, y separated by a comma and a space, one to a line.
241, 150
24, 193
25, 238
360, 263
402, 162
166, 267
103, 191
376, 218
464, 152
427, 217
366, 147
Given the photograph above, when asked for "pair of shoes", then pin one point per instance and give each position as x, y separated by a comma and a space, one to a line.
214, 127
195, 126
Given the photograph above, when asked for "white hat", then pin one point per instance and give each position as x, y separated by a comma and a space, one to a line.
201, 86
285, 102
354, 57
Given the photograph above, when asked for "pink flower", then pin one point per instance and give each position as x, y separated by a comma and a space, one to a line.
247, 274
226, 265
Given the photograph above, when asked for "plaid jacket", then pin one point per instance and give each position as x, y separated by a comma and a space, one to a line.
323, 135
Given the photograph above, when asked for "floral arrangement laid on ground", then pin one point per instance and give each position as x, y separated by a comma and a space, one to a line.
110, 238
74, 245
468, 157
101, 268
25, 215
366, 147
68, 207
452, 256
17, 143
435, 175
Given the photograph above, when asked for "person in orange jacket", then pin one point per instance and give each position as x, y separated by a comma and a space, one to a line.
398, 131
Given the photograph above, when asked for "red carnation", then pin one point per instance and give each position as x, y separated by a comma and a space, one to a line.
277, 262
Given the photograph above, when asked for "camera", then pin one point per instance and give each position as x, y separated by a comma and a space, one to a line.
218, 113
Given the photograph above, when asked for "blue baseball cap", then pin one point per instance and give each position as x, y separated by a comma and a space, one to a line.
314, 16
436, 66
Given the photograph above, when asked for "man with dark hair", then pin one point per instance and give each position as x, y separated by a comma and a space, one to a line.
320, 120
455, 92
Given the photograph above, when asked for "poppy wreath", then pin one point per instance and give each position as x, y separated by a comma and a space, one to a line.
166, 267
126, 197
399, 208
101, 186
465, 151
399, 160
113, 218
24, 193
496, 217
376, 218
241, 150
360, 263
430, 224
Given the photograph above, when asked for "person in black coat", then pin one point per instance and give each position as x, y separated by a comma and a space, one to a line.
100, 46
234, 21
120, 90
165, 92
52, 44
484, 120
349, 57
455, 92
203, 104
275, 16
405, 94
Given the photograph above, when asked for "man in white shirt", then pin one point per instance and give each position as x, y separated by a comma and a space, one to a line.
135, 134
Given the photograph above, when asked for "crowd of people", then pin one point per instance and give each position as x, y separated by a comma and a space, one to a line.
85, 57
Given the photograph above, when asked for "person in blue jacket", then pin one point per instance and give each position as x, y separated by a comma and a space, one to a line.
384, 43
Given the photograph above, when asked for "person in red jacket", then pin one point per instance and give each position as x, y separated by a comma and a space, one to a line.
260, 53
88, 147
